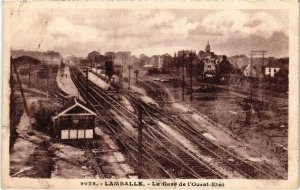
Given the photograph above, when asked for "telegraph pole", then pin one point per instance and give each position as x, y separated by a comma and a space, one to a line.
47, 81
191, 75
129, 69
262, 65
20, 86
121, 78
37, 78
259, 53
11, 76
29, 74
183, 80
251, 70
140, 141
87, 85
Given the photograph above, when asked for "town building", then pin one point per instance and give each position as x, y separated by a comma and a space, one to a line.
272, 67
23, 60
109, 55
209, 59
250, 71
207, 53
122, 58
49, 57
210, 66
74, 121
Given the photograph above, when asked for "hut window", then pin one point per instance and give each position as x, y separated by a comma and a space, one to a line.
89, 133
81, 134
73, 134
64, 134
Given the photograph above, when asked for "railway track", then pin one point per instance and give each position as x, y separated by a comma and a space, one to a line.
115, 129
210, 148
180, 155
220, 154
182, 159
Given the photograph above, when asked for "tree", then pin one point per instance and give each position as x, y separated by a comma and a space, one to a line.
143, 59
167, 61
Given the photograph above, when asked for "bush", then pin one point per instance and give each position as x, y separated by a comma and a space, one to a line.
43, 117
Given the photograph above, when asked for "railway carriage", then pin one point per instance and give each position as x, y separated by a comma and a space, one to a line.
75, 121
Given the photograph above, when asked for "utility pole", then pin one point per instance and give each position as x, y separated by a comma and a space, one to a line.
183, 80
121, 78
37, 78
191, 74
29, 66
20, 86
47, 68
258, 53
11, 82
262, 65
11, 75
140, 141
251, 70
87, 85
129, 69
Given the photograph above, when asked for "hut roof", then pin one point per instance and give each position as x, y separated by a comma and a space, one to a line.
71, 106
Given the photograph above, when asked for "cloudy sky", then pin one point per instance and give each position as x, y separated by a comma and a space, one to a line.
79, 31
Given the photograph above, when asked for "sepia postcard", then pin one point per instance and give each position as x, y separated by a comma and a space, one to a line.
148, 94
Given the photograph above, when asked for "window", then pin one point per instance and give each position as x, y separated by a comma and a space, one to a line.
81, 134
269, 70
73, 134
64, 134
89, 133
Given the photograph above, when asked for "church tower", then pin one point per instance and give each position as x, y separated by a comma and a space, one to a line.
207, 48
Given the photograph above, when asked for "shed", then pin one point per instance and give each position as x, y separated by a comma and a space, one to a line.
75, 121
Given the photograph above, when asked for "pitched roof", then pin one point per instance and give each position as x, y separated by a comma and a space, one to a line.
26, 59
274, 64
69, 107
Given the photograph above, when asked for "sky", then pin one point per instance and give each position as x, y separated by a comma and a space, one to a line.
149, 31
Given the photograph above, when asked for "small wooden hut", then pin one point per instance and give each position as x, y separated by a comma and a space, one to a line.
75, 121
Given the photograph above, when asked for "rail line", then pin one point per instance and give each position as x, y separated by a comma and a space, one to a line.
182, 162
211, 148
113, 128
